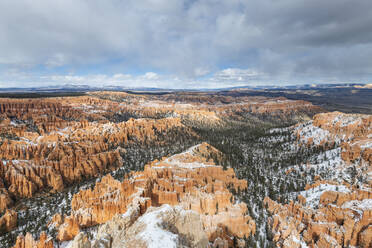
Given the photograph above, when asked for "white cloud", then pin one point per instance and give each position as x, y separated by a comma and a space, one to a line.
56, 60
120, 76
224, 78
151, 76
236, 74
199, 72
288, 40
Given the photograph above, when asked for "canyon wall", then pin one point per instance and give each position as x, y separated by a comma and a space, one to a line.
335, 212
189, 181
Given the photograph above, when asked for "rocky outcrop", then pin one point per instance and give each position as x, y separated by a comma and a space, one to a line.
69, 229
62, 140
352, 131
29, 242
8, 221
50, 143
340, 220
166, 226
5, 200
70, 155
202, 109
330, 213
189, 180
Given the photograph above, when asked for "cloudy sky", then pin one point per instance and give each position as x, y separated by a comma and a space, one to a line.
184, 44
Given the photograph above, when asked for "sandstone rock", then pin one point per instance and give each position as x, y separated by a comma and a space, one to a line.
71, 151
365, 237
8, 221
68, 230
176, 226
55, 142
189, 180
81, 241
5, 200
29, 242
341, 220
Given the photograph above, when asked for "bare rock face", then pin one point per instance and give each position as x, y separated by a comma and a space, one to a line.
206, 110
8, 221
167, 226
335, 222
50, 143
5, 200
47, 144
330, 213
352, 131
29, 242
68, 230
180, 228
190, 181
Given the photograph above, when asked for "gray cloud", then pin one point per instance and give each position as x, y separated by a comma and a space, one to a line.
295, 41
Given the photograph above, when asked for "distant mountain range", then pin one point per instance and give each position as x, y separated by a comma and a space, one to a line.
85, 88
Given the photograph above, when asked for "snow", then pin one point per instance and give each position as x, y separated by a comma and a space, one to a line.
187, 165
175, 160
313, 195
367, 145
331, 240
65, 244
153, 234
296, 240
346, 120
13, 123
318, 135
109, 128
365, 204
94, 111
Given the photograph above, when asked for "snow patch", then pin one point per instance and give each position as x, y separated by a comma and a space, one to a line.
296, 240
318, 135
367, 145
313, 195
365, 204
175, 160
153, 234
346, 120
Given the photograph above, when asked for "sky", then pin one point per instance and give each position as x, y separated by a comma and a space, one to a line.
184, 44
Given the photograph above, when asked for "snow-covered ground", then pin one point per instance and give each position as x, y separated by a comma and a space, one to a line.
309, 131
364, 205
313, 195
153, 234
176, 160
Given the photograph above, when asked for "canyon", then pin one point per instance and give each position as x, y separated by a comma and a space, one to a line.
336, 212
182, 169
188, 181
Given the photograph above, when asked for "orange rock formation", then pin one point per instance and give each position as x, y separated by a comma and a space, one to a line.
29, 242
63, 156
189, 179
8, 221
49, 143
342, 218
